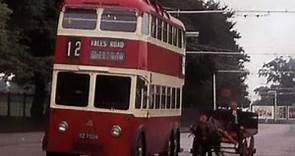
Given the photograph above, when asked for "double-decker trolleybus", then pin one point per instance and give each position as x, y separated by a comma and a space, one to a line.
117, 80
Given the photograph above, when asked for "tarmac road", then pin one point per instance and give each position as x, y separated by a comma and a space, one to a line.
272, 140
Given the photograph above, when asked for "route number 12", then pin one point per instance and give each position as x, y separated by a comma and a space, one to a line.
73, 47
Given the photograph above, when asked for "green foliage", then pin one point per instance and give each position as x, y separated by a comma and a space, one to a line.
216, 33
280, 70
10, 48
280, 73
4, 16
29, 37
27, 40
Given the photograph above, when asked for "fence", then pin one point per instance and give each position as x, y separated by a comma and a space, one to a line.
283, 113
17, 105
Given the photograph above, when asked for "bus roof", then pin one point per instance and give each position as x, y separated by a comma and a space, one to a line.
150, 6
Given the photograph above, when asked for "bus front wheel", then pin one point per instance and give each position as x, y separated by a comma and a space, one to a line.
139, 147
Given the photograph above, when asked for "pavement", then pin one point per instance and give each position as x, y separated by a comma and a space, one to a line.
11, 139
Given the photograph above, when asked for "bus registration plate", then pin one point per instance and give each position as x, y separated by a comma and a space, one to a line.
88, 136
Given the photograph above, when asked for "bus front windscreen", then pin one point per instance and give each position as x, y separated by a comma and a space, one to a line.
72, 89
112, 92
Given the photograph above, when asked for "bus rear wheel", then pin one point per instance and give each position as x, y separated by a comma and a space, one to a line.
59, 154
173, 144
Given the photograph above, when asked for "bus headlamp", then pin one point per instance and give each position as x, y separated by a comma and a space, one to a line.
63, 127
116, 131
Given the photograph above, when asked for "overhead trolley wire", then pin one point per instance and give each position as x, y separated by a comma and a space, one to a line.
228, 11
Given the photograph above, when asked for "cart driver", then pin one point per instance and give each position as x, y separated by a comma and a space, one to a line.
234, 120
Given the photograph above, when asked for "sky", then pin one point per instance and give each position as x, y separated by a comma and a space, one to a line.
264, 37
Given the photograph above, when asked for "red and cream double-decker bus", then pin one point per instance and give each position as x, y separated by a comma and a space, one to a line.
117, 80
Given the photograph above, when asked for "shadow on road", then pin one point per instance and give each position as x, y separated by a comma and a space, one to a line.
20, 124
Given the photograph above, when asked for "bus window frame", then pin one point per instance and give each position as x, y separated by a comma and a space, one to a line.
173, 98
168, 98
143, 104
165, 31
170, 34
62, 16
54, 88
153, 26
152, 96
179, 98
163, 97
157, 97
145, 24
159, 29
131, 94
179, 38
100, 14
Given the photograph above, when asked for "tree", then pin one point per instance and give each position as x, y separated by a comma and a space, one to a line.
216, 33
280, 73
35, 21
281, 70
10, 48
4, 16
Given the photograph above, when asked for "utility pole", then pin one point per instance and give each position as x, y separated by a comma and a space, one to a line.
275, 103
214, 91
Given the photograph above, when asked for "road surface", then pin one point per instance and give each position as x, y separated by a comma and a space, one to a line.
272, 140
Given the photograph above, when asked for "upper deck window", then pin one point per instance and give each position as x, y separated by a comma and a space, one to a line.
118, 20
72, 95
145, 24
79, 18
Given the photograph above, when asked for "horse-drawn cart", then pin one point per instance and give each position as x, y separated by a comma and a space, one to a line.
224, 136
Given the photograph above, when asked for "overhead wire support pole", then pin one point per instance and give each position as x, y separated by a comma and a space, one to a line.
214, 91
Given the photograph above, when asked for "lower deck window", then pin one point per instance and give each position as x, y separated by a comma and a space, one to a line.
141, 94
72, 89
112, 92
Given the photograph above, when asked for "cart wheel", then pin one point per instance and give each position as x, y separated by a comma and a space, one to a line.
251, 148
244, 148
196, 149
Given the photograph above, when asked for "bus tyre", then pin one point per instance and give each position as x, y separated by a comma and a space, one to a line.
251, 148
173, 143
139, 147
243, 149
58, 154
53, 154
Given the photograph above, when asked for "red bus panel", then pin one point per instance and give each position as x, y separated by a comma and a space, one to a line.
90, 132
119, 53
